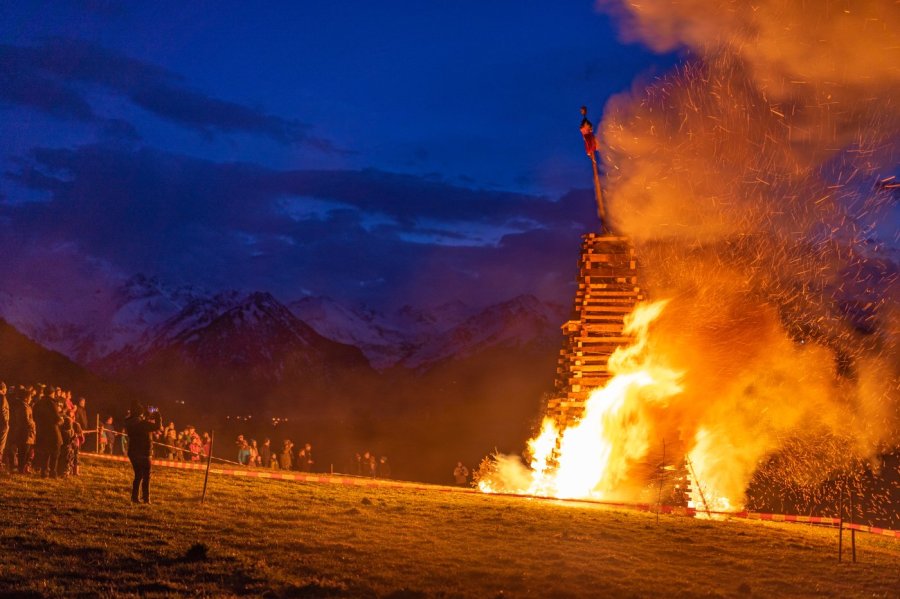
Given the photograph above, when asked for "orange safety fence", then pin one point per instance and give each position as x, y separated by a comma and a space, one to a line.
360, 481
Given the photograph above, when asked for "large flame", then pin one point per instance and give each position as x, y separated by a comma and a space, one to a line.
757, 181
594, 456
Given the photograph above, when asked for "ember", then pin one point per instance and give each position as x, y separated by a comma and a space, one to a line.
753, 183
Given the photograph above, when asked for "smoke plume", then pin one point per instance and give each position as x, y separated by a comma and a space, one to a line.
756, 181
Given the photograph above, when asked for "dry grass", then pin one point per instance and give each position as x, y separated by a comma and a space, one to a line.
83, 537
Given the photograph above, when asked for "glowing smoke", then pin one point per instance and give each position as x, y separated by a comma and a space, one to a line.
749, 179
755, 182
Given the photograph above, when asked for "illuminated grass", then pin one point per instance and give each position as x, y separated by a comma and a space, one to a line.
83, 536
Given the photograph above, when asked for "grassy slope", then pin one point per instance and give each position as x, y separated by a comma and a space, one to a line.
83, 536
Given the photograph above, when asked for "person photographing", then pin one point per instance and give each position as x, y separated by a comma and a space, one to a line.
140, 427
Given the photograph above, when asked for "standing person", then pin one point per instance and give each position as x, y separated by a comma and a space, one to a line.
195, 443
384, 469
47, 420
22, 431
265, 454
243, 454
109, 434
309, 457
81, 416
206, 447
285, 458
170, 439
77, 444
300, 462
140, 427
123, 441
461, 474
254, 454
4, 421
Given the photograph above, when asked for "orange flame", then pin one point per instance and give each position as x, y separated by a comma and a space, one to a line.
595, 454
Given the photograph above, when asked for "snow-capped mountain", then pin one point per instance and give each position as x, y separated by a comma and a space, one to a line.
122, 328
88, 328
244, 334
385, 339
509, 324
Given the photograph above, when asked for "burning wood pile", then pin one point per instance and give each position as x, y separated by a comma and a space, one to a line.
607, 292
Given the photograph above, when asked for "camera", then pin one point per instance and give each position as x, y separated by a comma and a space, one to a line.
152, 409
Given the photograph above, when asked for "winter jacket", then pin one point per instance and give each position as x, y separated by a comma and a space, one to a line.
140, 435
22, 429
47, 419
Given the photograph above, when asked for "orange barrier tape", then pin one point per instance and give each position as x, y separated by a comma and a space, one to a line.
873, 530
339, 479
788, 518
358, 481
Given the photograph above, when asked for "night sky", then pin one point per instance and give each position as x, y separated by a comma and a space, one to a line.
386, 153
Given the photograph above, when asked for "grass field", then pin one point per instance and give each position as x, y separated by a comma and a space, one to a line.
83, 537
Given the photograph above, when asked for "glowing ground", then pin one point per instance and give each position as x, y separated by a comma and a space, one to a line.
82, 536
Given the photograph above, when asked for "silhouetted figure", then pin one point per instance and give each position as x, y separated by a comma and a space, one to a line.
65, 461
22, 431
285, 458
384, 469
108, 443
461, 474
265, 454
140, 427
47, 420
81, 416
170, 439
308, 457
587, 131
300, 461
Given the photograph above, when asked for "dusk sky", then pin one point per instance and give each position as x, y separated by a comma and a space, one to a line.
387, 153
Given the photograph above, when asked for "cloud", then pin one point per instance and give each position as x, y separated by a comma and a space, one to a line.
51, 77
243, 225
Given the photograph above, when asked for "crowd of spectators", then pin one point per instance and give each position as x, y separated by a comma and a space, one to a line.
42, 430
367, 464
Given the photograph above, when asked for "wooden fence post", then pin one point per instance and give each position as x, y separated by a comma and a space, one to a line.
840, 521
852, 530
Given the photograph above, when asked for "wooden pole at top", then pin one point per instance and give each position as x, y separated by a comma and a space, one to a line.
590, 146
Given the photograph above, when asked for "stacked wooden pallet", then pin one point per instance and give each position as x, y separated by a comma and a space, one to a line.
607, 292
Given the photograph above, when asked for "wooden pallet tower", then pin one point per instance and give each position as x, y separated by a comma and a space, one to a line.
607, 291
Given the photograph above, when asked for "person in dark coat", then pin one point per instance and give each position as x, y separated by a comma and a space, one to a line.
81, 417
47, 420
22, 431
265, 454
65, 463
308, 457
286, 457
384, 468
140, 427
461, 474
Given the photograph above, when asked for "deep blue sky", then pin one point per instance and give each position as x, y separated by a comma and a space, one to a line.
399, 152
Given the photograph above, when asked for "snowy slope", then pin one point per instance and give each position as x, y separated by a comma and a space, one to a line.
87, 328
242, 333
385, 338
514, 323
